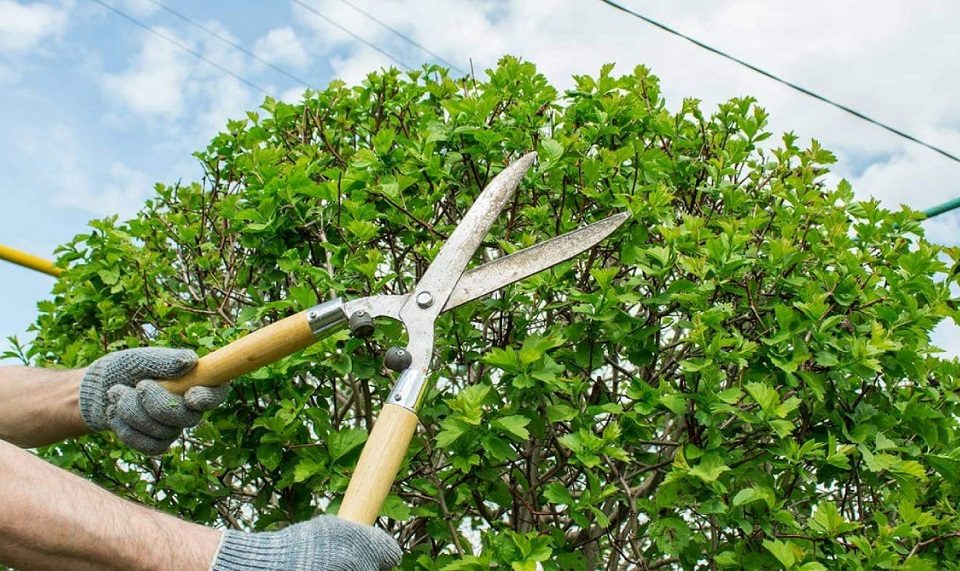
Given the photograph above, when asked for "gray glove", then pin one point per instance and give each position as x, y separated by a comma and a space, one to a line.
117, 393
325, 543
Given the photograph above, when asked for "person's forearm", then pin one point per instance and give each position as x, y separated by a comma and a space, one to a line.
52, 519
39, 406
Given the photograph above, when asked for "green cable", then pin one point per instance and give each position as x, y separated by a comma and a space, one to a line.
941, 208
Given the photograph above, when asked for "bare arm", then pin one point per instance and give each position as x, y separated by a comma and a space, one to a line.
53, 519
39, 406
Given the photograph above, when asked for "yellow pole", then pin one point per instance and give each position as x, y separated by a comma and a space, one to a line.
28, 261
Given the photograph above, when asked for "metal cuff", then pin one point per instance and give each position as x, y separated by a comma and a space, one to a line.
327, 317
410, 390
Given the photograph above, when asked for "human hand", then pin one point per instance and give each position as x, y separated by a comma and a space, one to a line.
325, 543
119, 392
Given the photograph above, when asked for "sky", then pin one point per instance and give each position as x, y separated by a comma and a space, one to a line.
94, 109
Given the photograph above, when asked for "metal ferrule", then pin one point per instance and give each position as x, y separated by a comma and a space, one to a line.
327, 317
410, 390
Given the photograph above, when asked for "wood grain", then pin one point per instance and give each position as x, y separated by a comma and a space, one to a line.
262, 347
378, 465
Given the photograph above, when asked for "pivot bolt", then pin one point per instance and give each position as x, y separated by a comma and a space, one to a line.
361, 324
424, 299
397, 359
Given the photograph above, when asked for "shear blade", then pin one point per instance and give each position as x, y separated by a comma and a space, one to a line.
494, 275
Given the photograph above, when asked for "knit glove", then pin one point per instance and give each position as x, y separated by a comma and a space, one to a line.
325, 543
118, 393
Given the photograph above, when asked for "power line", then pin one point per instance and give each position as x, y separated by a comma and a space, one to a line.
405, 37
230, 43
182, 46
794, 86
333, 22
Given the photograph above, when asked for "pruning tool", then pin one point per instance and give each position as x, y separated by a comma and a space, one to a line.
446, 284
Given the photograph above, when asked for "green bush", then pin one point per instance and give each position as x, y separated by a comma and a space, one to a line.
740, 377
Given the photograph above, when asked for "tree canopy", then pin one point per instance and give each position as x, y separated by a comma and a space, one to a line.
740, 377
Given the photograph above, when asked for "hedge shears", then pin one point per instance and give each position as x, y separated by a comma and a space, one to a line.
445, 285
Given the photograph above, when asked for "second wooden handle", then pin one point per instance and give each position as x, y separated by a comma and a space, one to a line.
378, 465
262, 347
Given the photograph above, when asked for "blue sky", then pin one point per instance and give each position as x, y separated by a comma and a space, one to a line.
95, 109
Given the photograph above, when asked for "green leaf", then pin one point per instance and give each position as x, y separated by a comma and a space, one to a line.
674, 402
514, 425
556, 493
307, 468
754, 494
506, 359
828, 521
782, 428
879, 462
499, 449
560, 413
395, 508
109, 276
383, 140
710, 468
763, 395
550, 151
270, 455
364, 230
946, 466
451, 430
342, 443
783, 551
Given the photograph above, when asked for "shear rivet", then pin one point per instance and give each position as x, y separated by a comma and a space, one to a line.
424, 299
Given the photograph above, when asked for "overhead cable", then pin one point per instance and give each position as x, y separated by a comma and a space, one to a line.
230, 43
789, 84
403, 36
346, 30
181, 45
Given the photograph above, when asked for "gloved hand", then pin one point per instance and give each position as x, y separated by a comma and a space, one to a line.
118, 393
325, 543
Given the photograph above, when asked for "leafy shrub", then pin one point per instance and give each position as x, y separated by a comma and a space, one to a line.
740, 377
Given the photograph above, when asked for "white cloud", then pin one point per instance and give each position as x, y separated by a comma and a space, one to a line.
293, 95
947, 336
70, 179
914, 176
187, 98
215, 95
154, 83
356, 66
124, 193
326, 35
282, 47
944, 229
24, 27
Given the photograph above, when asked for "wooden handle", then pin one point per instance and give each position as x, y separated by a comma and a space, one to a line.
262, 347
378, 465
